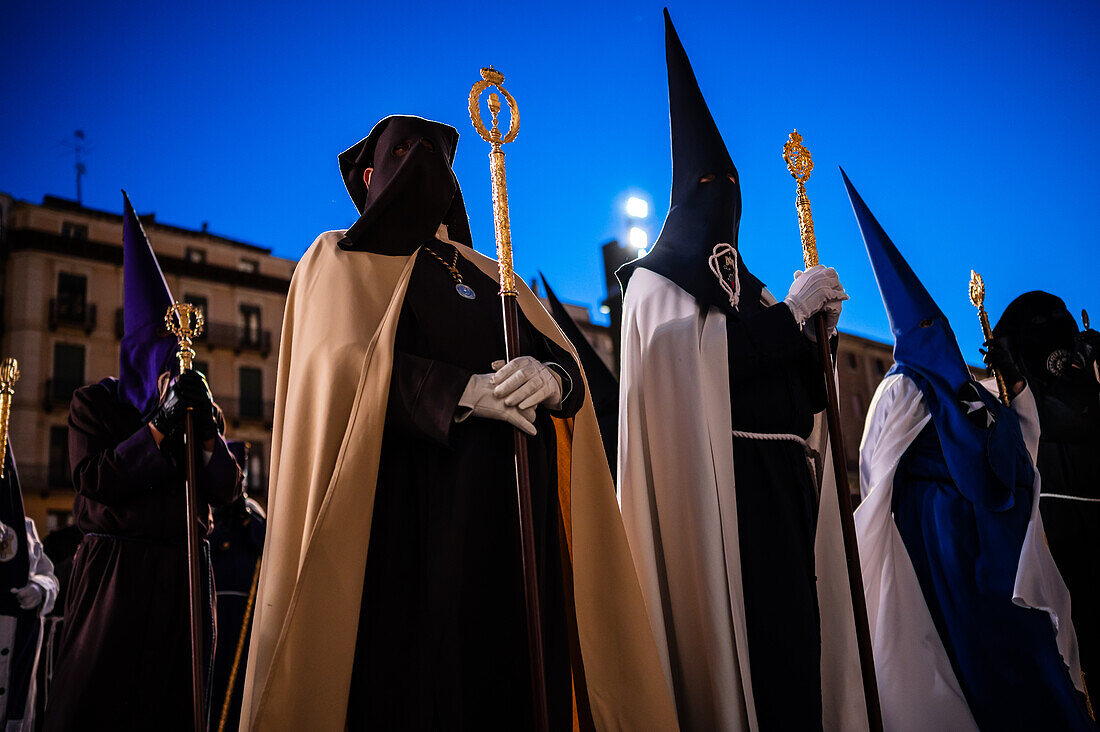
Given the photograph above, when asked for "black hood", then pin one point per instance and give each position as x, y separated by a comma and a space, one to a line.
1039, 331
706, 196
412, 189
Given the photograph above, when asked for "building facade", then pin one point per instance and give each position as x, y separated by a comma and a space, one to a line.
61, 317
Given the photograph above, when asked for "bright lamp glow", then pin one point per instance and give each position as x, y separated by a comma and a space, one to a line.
637, 208
638, 238
605, 309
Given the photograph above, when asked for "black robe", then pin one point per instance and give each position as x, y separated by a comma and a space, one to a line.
1069, 465
125, 659
236, 545
442, 638
776, 386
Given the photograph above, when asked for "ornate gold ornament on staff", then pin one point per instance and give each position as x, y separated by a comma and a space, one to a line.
977, 299
185, 322
9, 374
800, 165
490, 77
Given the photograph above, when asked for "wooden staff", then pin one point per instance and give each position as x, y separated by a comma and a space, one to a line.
493, 78
977, 299
185, 321
9, 374
800, 166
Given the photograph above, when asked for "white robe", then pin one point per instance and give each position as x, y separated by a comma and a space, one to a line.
917, 686
676, 483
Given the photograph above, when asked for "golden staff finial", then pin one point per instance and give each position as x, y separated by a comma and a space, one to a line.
490, 77
9, 374
800, 165
185, 321
977, 299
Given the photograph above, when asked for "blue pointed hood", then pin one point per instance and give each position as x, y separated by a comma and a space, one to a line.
147, 349
923, 338
980, 437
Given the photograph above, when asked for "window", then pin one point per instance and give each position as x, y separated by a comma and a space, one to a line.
257, 481
201, 303
880, 366
68, 370
72, 293
250, 325
195, 256
248, 265
72, 230
851, 360
58, 519
252, 393
58, 475
198, 301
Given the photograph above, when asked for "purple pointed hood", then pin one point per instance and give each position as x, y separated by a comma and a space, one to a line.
147, 349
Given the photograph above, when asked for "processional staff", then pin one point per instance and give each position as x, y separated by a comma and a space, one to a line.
9, 374
185, 322
490, 77
977, 299
800, 165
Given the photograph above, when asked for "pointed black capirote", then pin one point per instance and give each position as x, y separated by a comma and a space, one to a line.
603, 386
705, 208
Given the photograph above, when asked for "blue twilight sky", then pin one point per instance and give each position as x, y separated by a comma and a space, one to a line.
970, 128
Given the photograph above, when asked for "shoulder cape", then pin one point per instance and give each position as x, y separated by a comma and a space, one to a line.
335, 362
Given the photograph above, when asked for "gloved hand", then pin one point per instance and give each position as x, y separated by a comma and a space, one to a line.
1087, 343
29, 595
998, 358
811, 290
527, 382
189, 389
831, 309
478, 398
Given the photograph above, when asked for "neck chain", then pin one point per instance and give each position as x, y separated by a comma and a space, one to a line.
460, 287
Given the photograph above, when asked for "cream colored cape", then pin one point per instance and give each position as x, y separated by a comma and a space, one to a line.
679, 505
335, 361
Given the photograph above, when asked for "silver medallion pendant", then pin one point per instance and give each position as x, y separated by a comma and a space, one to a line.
465, 290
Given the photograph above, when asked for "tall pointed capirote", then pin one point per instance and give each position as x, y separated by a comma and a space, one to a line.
146, 349
705, 208
923, 338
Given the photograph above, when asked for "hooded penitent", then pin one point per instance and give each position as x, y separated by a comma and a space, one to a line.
962, 498
603, 384
412, 187
1041, 334
725, 484
705, 210
390, 531
146, 349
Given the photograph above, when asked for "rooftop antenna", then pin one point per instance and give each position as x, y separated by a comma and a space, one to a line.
78, 148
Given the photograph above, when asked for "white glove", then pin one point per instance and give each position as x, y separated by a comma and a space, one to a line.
527, 382
478, 399
29, 595
811, 290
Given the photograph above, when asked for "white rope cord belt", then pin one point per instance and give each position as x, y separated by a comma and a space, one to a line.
811, 454
1063, 497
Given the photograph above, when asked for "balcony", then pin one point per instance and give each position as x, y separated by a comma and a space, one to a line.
247, 410
59, 392
72, 313
220, 335
41, 479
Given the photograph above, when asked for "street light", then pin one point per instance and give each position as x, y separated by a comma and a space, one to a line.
639, 239
637, 208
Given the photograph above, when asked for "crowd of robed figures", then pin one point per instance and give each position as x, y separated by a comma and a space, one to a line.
704, 587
